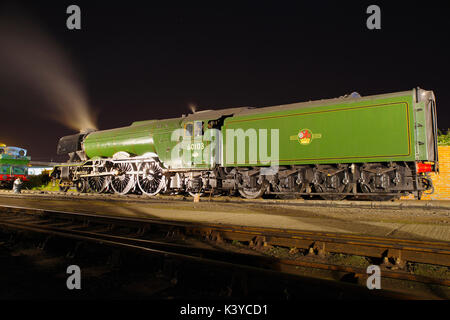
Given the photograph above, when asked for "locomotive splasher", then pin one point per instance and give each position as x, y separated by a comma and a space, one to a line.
380, 147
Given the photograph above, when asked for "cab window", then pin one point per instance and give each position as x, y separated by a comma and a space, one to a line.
198, 128
188, 128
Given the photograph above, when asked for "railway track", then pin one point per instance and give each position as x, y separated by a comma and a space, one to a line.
360, 204
173, 239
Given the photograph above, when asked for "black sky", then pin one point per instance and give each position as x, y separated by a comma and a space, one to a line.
141, 61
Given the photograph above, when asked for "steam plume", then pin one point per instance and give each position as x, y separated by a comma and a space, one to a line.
192, 107
33, 62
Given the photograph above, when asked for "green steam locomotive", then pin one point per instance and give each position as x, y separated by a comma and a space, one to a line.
379, 147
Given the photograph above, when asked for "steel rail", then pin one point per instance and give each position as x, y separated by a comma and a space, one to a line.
234, 200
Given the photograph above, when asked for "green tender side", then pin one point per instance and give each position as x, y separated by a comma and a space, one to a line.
380, 128
139, 138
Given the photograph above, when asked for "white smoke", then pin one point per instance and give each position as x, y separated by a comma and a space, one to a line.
31, 60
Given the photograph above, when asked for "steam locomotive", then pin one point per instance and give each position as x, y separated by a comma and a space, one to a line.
13, 164
379, 147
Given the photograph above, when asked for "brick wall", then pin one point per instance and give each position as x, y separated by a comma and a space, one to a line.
441, 181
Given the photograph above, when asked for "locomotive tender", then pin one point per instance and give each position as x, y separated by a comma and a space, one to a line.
380, 147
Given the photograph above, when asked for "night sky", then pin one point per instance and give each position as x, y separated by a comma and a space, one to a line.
140, 61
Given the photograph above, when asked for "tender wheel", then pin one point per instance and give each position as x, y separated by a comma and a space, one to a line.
250, 188
320, 189
298, 189
81, 186
150, 178
366, 189
378, 183
329, 182
125, 180
252, 193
